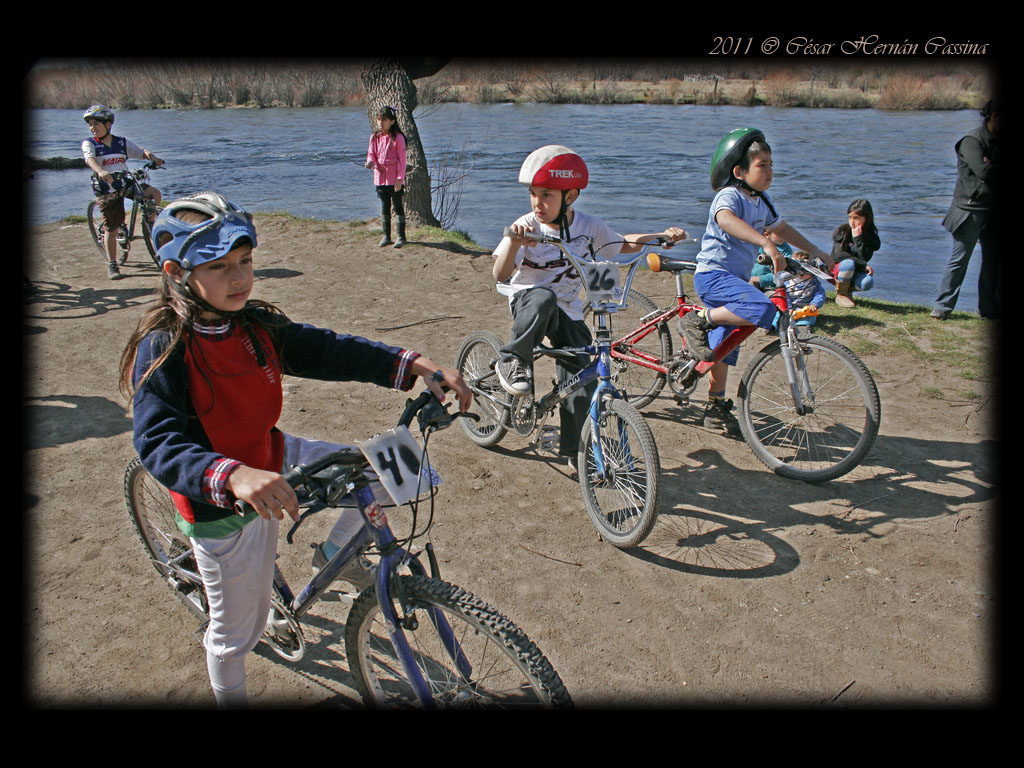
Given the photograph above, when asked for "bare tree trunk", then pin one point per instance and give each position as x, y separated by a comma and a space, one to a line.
389, 82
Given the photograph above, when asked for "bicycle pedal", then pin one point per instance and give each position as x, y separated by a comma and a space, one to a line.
339, 596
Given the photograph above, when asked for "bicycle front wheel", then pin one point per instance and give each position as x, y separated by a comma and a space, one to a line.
491, 664
841, 408
639, 385
147, 235
97, 227
623, 502
152, 513
475, 361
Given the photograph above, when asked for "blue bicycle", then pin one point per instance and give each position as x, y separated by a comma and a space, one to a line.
410, 638
618, 465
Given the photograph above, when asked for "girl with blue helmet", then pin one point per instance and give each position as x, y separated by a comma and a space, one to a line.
203, 371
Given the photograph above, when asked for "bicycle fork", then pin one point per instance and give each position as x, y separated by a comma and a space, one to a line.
389, 591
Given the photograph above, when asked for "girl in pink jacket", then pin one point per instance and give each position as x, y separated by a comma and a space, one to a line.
386, 156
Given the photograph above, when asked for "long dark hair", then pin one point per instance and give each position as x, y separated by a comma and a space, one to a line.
844, 233
862, 207
389, 113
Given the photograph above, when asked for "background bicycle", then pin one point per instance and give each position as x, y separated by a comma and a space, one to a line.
808, 406
411, 639
617, 465
143, 211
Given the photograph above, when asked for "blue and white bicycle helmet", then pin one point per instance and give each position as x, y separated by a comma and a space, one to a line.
99, 112
192, 245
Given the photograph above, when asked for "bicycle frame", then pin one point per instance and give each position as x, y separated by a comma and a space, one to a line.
799, 388
375, 530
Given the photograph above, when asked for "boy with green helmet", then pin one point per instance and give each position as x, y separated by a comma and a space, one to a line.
740, 215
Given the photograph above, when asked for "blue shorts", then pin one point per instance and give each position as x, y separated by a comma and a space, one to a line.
718, 288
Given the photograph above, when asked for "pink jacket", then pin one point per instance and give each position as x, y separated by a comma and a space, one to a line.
388, 158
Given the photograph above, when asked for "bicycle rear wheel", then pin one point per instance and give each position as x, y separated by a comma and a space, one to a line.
152, 513
623, 504
639, 385
841, 418
499, 666
475, 362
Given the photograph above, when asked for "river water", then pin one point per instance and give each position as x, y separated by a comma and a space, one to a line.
648, 167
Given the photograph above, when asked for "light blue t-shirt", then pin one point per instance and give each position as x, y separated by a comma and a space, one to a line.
719, 250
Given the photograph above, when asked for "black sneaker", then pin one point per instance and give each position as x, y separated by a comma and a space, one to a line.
513, 376
112, 271
718, 415
694, 330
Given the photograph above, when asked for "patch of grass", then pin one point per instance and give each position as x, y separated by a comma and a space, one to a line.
440, 237
931, 393
291, 216
877, 327
75, 219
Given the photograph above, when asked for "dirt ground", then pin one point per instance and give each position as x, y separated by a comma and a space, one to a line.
752, 590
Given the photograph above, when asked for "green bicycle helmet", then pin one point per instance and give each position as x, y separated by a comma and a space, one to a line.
729, 152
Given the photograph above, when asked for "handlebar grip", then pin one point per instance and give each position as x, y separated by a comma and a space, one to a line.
293, 477
527, 236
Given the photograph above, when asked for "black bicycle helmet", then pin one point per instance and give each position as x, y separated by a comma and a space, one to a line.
729, 153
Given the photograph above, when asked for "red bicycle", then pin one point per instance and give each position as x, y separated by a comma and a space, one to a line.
808, 407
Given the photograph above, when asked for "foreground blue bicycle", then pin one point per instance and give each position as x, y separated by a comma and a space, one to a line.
411, 639
618, 466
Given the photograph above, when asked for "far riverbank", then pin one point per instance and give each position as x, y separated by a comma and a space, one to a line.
825, 83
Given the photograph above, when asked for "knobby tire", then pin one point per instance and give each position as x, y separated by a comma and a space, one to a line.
508, 670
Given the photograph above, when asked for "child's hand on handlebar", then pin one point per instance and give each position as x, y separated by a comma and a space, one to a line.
675, 234
438, 378
267, 492
778, 260
516, 234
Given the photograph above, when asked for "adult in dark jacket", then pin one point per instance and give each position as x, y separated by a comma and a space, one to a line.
972, 218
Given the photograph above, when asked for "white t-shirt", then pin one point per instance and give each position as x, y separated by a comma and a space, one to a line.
544, 265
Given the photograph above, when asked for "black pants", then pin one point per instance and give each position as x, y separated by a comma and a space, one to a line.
388, 197
536, 315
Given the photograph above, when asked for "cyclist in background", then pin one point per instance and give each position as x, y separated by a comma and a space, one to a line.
107, 154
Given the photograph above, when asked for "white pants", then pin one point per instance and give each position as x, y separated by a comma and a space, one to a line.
238, 573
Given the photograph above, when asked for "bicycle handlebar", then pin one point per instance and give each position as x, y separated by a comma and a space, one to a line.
432, 416
631, 260
796, 266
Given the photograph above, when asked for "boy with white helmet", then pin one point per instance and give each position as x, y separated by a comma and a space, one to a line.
545, 289
107, 154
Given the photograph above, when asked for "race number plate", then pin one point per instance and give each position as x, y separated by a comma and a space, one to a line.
602, 281
396, 457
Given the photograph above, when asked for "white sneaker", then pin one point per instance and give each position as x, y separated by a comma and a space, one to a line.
358, 572
513, 376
